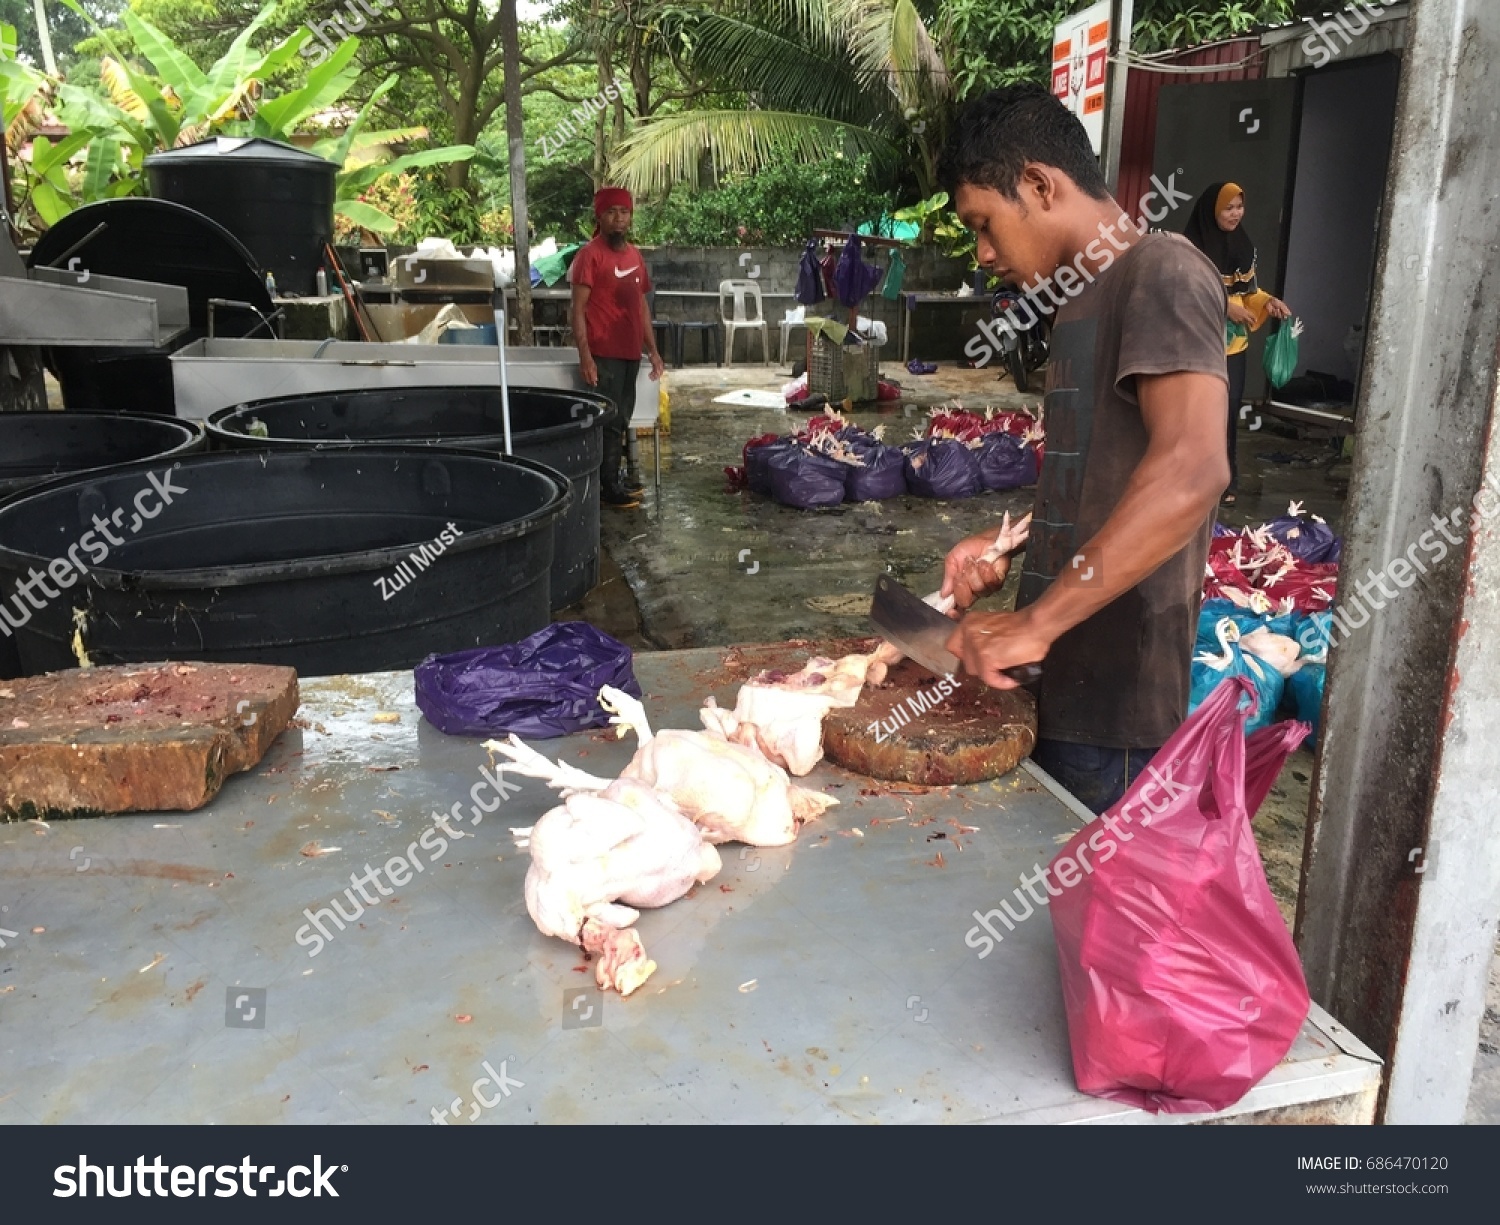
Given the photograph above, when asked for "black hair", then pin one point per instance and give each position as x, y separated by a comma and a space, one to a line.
999, 132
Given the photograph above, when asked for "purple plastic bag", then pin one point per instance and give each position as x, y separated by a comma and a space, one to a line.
1004, 463
543, 686
758, 464
941, 468
883, 476
806, 480
1308, 539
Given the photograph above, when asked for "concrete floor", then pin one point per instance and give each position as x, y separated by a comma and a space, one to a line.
709, 568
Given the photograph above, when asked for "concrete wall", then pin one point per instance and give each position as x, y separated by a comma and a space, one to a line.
700, 269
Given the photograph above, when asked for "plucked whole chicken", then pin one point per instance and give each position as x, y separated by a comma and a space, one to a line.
600, 854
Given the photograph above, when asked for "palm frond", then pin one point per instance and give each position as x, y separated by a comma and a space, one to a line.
665, 152
888, 39
809, 75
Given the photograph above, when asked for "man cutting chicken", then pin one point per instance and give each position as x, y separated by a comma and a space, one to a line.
1135, 411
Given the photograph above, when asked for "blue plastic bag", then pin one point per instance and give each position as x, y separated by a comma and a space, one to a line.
1225, 660
543, 686
942, 468
1305, 689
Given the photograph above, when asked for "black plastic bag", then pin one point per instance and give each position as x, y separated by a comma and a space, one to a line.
942, 468
543, 686
806, 480
1004, 463
883, 475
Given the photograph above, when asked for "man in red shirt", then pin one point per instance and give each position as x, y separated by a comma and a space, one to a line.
612, 325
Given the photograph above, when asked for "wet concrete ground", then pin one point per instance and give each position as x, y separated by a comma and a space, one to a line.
708, 568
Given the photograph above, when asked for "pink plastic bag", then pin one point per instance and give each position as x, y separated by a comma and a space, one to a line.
1182, 986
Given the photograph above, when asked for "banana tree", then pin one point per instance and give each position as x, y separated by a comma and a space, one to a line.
183, 103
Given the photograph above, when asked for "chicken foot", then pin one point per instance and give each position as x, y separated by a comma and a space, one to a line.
1011, 537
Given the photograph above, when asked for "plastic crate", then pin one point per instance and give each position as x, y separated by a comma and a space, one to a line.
834, 369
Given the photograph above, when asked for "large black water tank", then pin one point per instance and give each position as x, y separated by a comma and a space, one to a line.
275, 199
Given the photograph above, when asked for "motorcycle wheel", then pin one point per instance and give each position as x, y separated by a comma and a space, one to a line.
1015, 359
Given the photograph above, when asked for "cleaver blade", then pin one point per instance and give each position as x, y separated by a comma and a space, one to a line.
920, 632
917, 629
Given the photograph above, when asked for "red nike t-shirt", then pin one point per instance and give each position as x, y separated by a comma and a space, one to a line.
613, 313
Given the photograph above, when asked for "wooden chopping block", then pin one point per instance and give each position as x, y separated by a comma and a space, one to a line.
135, 737
921, 728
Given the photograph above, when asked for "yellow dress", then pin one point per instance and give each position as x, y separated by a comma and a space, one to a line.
1254, 300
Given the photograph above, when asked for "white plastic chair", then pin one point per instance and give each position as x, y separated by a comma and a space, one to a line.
741, 294
787, 327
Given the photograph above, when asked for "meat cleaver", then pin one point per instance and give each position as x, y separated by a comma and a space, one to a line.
921, 632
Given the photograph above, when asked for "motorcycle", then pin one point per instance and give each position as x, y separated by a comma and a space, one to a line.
1025, 348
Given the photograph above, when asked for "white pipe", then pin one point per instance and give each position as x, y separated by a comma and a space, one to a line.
504, 386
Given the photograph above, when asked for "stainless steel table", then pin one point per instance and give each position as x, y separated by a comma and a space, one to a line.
152, 971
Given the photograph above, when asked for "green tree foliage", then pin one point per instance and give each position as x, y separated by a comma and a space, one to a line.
776, 206
159, 98
66, 27
990, 43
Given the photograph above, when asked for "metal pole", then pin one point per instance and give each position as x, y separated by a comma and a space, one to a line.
1121, 17
1401, 877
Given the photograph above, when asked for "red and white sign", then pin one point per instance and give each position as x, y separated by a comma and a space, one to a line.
1080, 51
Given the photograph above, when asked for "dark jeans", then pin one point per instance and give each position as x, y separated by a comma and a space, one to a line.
617, 385
1098, 777
1237, 363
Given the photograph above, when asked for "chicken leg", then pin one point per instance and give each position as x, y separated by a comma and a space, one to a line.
1011, 537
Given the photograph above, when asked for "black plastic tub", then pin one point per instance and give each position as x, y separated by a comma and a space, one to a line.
35, 447
351, 560
561, 429
38, 447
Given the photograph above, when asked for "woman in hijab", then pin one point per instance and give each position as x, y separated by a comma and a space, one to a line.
1215, 229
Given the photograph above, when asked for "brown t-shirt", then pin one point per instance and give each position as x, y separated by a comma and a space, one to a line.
1120, 679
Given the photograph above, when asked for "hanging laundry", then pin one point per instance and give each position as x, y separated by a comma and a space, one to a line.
828, 266
853, 278
810, 290
894, 278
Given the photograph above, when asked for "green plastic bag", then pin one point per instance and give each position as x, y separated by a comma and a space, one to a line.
552, 268
1280, 357
895, 277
